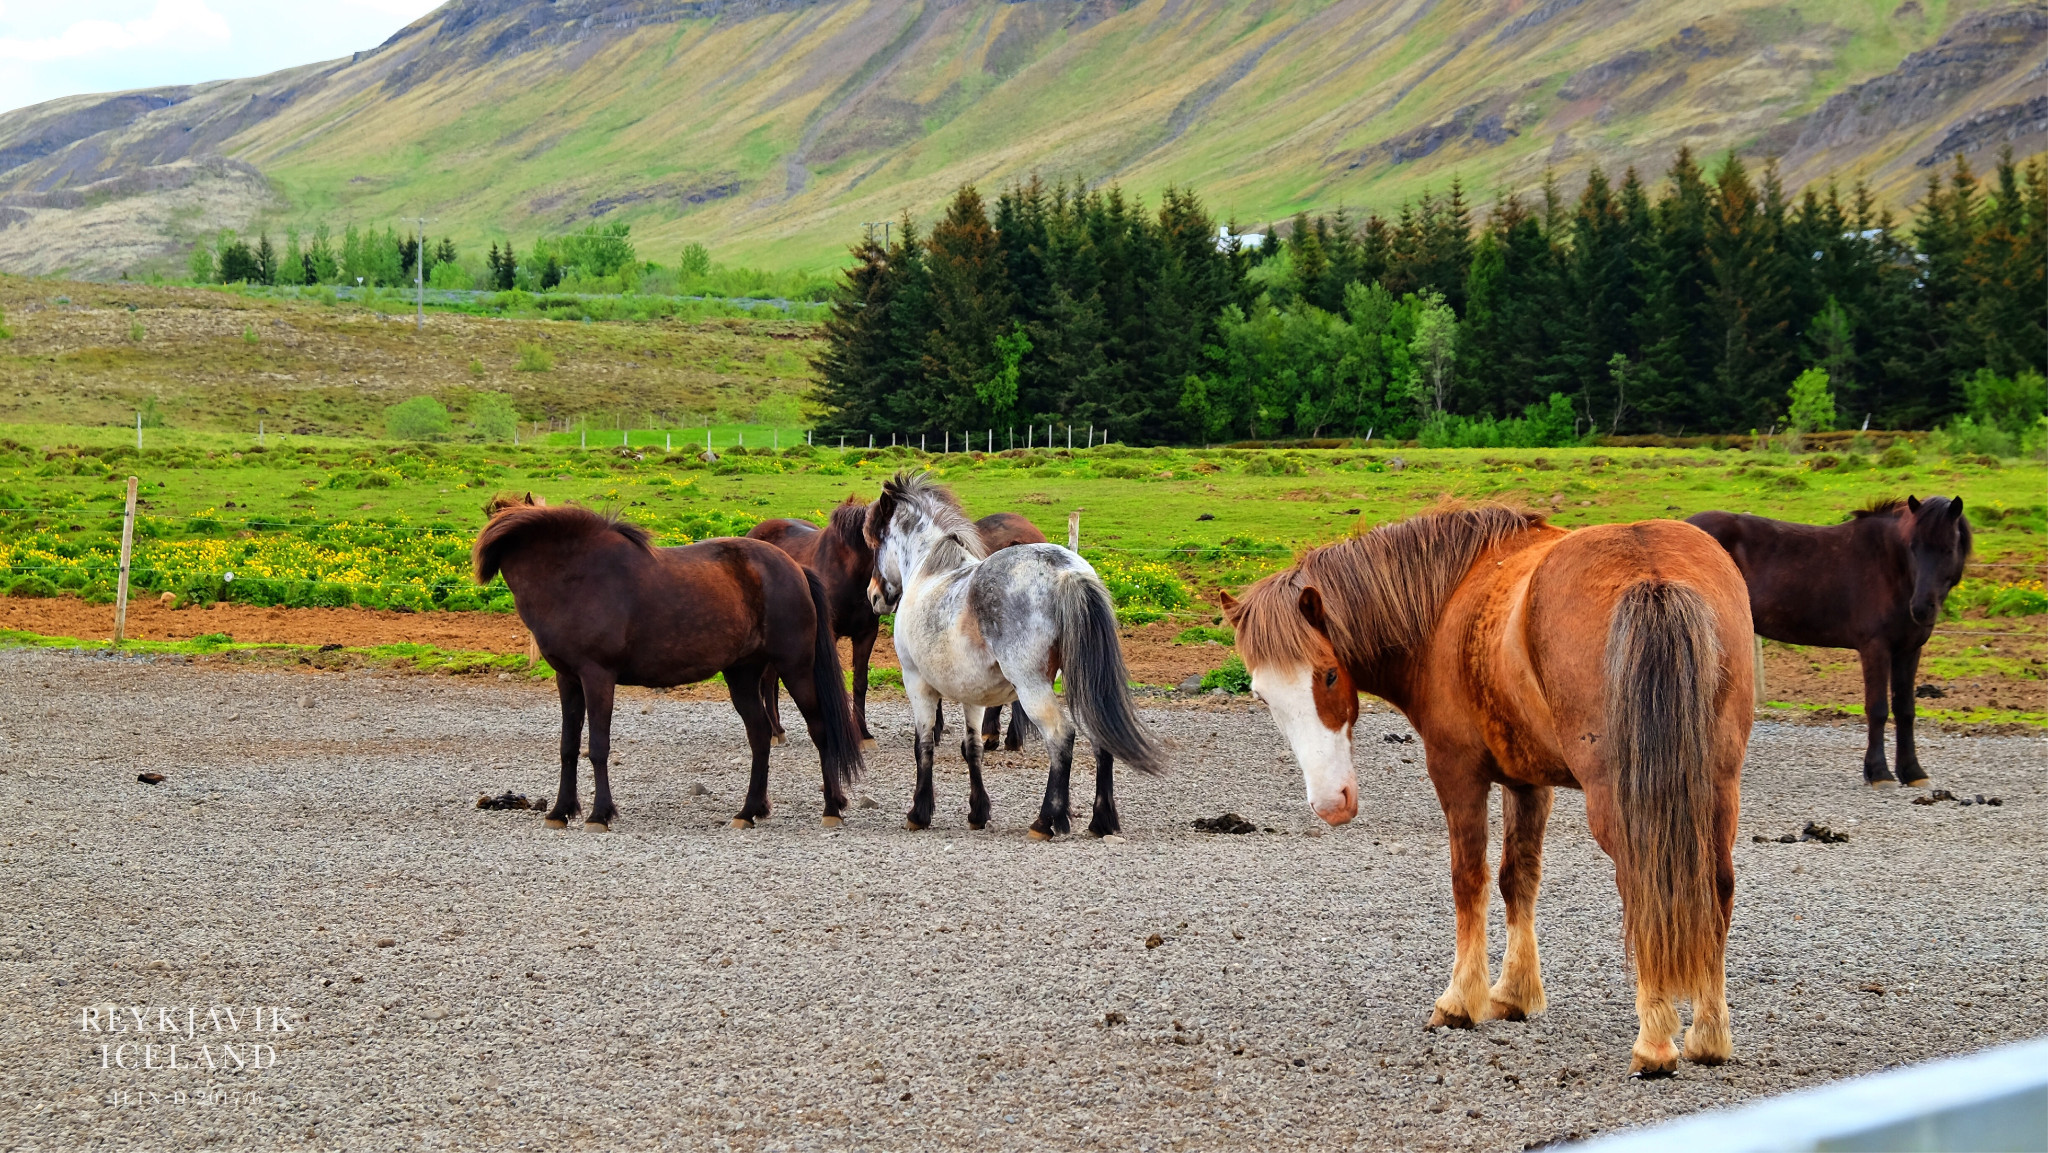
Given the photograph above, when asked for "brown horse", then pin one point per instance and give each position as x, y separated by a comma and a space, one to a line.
1475, 622
839, 556
1874, 584
608, 609
1000, 530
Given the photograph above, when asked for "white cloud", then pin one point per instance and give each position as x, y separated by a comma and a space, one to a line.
180, 23
407, 10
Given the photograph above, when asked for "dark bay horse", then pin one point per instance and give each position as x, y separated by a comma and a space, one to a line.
608, 609
839, 556
1874, 584
1000, 530
1478, 623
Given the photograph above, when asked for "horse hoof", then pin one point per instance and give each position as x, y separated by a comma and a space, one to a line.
1035, 835
555, 823
1886, 784
778, 740
832, 822
869, 744
1918, 783
977, 826
741, 823
597, 827
913, 826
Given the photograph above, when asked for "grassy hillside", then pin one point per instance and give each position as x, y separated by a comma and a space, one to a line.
771, 133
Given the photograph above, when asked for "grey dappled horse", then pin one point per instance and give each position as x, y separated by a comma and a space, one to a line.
985, 630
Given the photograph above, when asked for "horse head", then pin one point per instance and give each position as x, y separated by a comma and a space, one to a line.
1939, 539
1282, 635
511, 500
913, 517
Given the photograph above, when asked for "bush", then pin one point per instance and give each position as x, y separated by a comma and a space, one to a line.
492, 416
32, 586
1233, 677
421, 418
1898, 454
2020, 600
534, 358
1202, 634
1966, 436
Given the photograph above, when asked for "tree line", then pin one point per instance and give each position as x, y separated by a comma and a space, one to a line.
1690, 306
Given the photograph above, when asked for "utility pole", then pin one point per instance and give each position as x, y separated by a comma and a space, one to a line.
419, 272
871, 225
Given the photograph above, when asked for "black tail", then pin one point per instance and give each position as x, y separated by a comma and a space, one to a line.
1098, 688
840, 750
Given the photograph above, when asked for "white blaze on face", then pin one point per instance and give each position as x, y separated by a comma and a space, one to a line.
1323, 753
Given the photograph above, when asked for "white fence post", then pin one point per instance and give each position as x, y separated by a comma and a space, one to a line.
121, 583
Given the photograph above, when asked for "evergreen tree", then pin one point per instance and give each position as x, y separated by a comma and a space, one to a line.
970, 306
266, 260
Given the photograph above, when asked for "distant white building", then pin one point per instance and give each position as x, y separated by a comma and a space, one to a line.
1224, 239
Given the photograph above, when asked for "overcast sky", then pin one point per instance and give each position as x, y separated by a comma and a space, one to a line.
49, 49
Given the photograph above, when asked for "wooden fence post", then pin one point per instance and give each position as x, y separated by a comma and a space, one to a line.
1074, 531
121, 583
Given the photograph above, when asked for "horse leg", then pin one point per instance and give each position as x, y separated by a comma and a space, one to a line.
991, 728
928, 720
1877, 675
970, 751
598, 692
804, 691
1708, 1041
1525, 812
1044, 707
1104, 822
1905, 671
863, 650
1462, 793
771, 699
1653, 1054
1018, 724
570, 688
743, 684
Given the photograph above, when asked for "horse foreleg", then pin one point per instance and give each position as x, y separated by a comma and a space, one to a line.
970, 751
1905, 671
928, 718
744, 686
771, 700
598, 691
570, 688
1044, 707
1877, 675
863, 651
1462, 792
1105, 820
1525, 813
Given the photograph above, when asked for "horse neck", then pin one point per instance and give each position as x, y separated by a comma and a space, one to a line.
935, 550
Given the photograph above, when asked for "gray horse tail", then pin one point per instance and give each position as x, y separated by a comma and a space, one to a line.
1098, 687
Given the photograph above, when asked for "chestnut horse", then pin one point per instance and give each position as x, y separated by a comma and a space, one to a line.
1874, 584
1475, 622
840, 555
608, 609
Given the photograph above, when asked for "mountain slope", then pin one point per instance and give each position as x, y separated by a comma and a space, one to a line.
770, 129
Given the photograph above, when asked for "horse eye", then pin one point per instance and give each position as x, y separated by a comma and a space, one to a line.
1330, 678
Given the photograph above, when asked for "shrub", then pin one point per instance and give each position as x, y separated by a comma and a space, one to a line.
1202, 634
492, 416
421, 418
534, 358
1898, 454
1233, 677
32, 586
2019, 600
1966, 436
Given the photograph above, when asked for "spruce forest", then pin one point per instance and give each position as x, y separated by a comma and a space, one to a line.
1687, 306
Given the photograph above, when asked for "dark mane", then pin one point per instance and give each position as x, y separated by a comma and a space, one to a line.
517, 526
1880, 506
1381, 591
849, 520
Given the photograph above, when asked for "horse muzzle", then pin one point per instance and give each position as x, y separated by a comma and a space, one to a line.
1340, 809
880, 599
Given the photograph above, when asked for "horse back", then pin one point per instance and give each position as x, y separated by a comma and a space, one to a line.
1000, 530
1831, 585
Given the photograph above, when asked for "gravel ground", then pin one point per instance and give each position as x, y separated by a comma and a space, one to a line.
457, 978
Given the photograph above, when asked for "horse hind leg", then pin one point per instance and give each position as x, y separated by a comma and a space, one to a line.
570, 687
771, 700
1104, 822
1519, 993
991, 729
598, 691
1054, 817
744, 687
1019, 726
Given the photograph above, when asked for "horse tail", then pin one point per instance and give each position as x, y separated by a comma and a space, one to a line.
1663, 671
840, 750
1098, 687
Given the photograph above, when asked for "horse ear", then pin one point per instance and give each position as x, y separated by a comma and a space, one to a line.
1232, 607
1913, 504
1955, 509
1311, 606
878, 515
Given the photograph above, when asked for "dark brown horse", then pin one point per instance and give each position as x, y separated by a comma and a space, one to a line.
1613, 659
1000, 530
608, 609
839, 556
1874, 584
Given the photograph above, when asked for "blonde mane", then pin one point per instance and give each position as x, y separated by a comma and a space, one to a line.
1381, 592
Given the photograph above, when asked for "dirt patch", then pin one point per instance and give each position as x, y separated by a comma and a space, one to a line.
355, 628
1834, 677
